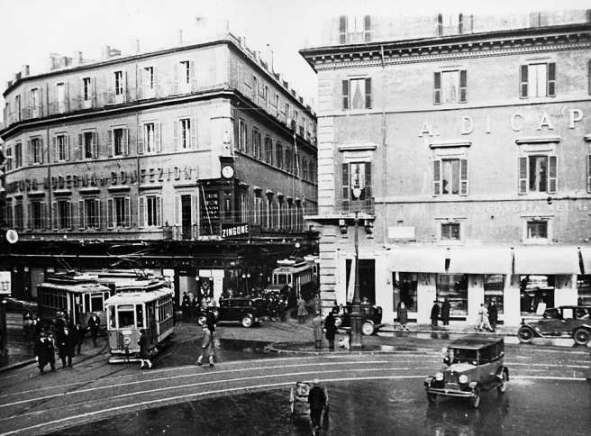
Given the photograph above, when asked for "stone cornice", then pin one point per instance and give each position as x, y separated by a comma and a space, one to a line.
486, 44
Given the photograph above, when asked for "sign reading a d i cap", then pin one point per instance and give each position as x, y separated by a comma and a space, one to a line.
5, 283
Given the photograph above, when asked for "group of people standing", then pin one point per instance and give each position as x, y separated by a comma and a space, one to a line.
487, 315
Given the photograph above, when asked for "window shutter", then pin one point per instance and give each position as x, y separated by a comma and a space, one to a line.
54, 146
110, 215
159, 211
368, 93
589, 173
437, 177
552, 179
94, 94
175, 125
30, 149
437, 88
110, 142
345, 94
126, 142
29, 215
463, 86
81, 214
67, 139
367, 28
46, 218
70, 220
522, 175
589, 77
345, 181
175, 78
368, 181
125, 87
141, 211
95, 145
195, 210
127, 203
552, 79
81, 99
140, 138
192, 76
158, 137
41, 150
67, 96
523, 81
177, 210
463, 177
193, 133
80, 155
342, 29
54, 215
98, 204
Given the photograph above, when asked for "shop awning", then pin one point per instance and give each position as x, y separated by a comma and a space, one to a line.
547, 260
418, 259
480, 260
586, 260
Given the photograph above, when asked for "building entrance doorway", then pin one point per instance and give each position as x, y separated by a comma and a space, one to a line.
367, 279
186, 216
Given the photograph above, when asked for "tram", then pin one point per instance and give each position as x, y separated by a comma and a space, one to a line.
129, 313
77, 296
124, 280
297, 276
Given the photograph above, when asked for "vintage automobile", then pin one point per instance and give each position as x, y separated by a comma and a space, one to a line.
248, 311
371, 318
473, 364
571, 321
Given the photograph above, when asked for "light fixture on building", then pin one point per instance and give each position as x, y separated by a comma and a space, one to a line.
343, 226
368, 227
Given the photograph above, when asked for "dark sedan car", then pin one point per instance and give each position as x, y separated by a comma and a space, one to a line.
248, 311
572, 321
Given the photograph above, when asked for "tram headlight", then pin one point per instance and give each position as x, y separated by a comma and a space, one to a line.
127, 340
439, 376
463, 379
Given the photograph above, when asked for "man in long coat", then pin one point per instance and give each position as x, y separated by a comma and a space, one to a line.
331, 329
434, 314
66, 343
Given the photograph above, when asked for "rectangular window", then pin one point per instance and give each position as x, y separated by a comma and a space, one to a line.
35, 103
153, 210
121, 211
61, 148
90, 213
86, 89
243, 136
38, 215
19, 217
18, 155
148, 82
354, 29
185, 137
269, 151
61, 97
537, 80
120, 141
537, 229
288, 160
279, 155
450, 177
64, 214
450, 231
255, 85
185, 75
357, 93
450, 87
256, 144
407, 288
119, 85
149, 142
89, 146
8, 159
37, 150
537, 173
356, 181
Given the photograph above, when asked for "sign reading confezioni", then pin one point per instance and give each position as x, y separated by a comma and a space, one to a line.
114, 178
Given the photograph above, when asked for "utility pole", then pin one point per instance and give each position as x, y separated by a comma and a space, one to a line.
356, 303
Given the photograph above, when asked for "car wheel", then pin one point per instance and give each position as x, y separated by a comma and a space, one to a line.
525, 334
246, 321
367, 328
475, 400
503, 386
201, 320
431, 398
581, 336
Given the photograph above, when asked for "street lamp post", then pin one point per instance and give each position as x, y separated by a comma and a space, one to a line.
356, 303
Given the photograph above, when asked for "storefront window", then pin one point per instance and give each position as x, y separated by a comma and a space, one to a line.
494, 285
454, 287
584, 290
405, 291
536, 293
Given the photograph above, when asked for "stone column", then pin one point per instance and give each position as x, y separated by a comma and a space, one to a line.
512, 301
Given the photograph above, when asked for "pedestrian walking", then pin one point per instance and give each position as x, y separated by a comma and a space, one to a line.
186, 307
331, 329
445, 309
483, 322
434, 314
94, 323
79, 333
302, 311
28, 325
317, 329
493, 315
144, 352
207, 346
45, 351
402, 315
317, 401
66, 342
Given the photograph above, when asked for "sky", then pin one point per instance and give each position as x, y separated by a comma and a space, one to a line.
31, 29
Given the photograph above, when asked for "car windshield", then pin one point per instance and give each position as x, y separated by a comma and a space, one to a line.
460, 355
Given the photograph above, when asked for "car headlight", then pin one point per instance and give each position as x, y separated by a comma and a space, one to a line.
463, 379
439, 376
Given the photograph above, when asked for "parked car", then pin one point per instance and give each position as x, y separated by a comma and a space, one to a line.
248, 311
473, 364
371, 318
571, 321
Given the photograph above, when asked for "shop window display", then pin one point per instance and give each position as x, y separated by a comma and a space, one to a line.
584, 290
405, 290
454, 287
536, 293
494, 285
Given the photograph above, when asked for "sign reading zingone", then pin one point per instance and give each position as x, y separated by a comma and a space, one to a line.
5, 283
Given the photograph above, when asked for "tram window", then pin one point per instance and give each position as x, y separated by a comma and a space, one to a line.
87, 303
281, 279
112, 317
125, 316
139, 312
97, 303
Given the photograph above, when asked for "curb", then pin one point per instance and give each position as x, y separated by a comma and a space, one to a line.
16, 365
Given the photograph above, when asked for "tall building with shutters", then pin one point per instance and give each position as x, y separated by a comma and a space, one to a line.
201, 155
461, 146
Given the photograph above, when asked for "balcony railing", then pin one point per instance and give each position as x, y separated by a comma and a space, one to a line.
347, 207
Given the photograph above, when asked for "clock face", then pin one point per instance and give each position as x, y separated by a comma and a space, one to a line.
227, 172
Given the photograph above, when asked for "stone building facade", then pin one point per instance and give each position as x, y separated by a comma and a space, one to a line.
464, 151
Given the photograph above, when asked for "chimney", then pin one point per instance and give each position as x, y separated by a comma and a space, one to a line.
180, 36
269, 57
26, 70
137, 45
53, 61
77, 58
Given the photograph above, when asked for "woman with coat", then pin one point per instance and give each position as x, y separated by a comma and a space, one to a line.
445, 309
302, 311
144, 353
434, 314
331, 329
